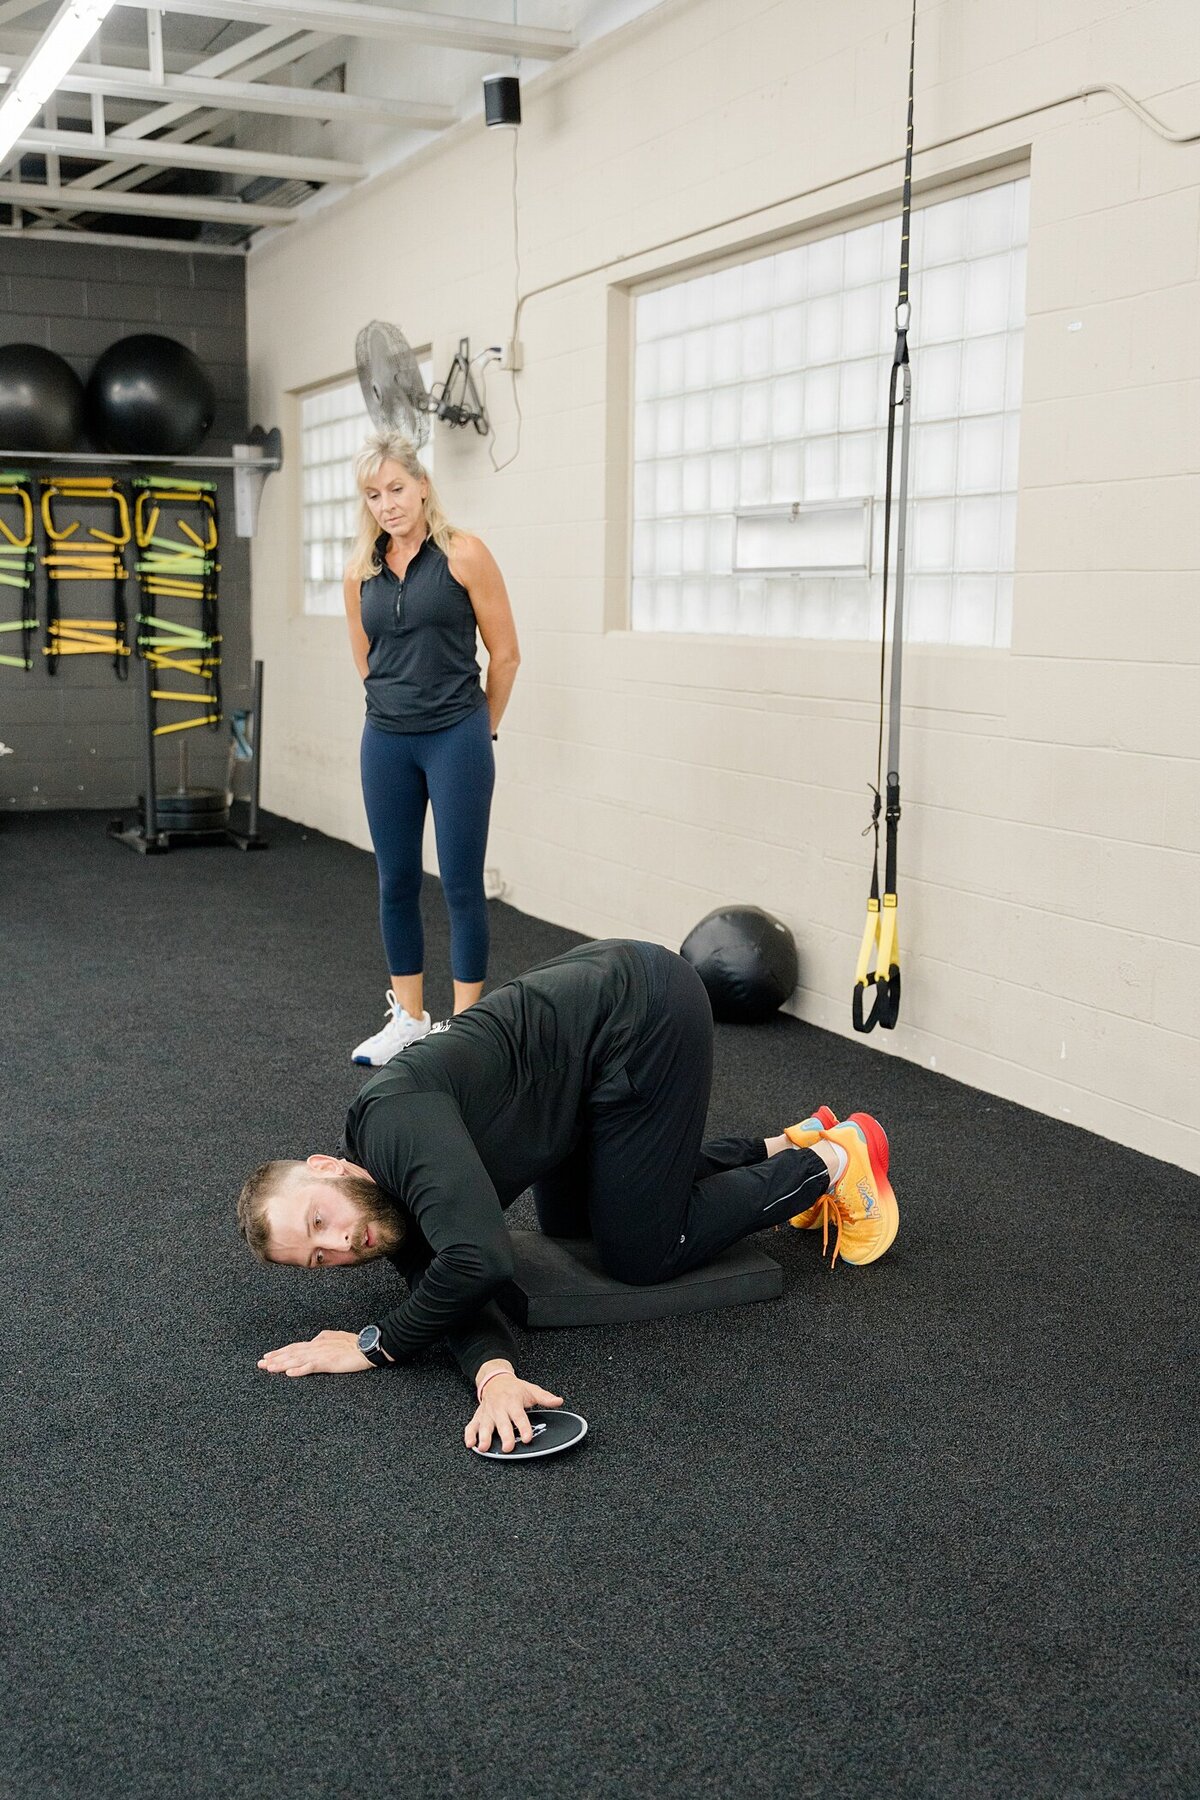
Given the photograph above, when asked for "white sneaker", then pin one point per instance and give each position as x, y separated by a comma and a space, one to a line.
400, 1031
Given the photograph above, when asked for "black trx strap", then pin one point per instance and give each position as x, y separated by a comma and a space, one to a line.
880, 940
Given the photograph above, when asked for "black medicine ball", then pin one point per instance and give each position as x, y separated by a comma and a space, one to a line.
41, 400
149, 396
746, 959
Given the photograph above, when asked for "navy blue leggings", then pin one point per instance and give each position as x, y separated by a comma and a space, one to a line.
454, 771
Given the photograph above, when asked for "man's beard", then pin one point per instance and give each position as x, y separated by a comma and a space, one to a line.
376, 1210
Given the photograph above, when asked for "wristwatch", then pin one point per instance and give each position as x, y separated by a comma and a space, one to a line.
368, 1343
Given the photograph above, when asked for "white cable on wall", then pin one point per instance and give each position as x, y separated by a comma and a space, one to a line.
1113, 88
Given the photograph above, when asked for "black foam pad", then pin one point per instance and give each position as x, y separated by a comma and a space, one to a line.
559, 1282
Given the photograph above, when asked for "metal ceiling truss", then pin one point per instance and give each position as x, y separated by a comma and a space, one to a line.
159, 128
387, 24
260, 53
180, 155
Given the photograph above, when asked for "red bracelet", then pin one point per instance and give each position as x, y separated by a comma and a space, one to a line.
487, 1378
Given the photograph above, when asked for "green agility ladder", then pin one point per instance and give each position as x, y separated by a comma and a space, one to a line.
172, 570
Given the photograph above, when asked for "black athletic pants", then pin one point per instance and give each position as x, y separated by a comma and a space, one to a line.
641, 1183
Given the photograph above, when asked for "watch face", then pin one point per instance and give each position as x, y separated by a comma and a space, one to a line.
368, 1338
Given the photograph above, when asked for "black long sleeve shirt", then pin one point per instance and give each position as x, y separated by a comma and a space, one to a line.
461, 1123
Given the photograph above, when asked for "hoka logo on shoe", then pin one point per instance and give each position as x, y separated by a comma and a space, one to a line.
868, 1198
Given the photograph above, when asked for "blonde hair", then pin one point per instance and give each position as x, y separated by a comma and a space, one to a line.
381, 447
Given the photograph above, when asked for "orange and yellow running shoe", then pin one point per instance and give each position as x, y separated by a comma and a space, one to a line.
863, 1203
809, 1130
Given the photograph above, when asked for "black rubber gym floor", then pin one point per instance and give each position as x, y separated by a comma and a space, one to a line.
918, 1529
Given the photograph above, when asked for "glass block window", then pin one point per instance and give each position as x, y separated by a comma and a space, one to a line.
333, 423
760, 421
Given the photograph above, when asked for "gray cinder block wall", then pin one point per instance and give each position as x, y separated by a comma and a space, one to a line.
76, 737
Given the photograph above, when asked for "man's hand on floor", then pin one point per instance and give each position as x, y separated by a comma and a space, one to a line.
329, 1353
502, 1410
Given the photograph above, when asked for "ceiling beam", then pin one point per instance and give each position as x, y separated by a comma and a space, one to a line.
165, 152
210, 128
260, 54
130, 55
164, 206
349, 18
243, 96
39, 234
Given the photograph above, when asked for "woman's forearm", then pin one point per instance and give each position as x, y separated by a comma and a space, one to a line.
360, 644
500, 678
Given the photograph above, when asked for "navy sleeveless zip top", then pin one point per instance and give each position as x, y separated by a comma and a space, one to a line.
422, 669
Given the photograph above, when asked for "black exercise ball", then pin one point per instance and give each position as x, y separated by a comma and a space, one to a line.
149, 396
746, 959
41, 400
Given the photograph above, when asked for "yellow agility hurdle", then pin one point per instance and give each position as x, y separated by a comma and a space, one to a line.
79, 553
18, 560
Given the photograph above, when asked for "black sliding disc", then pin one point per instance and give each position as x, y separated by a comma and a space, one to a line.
554, 1429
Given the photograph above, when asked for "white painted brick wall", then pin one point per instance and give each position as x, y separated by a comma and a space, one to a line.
1050, 844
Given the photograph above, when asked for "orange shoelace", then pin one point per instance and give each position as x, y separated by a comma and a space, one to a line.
829, 1203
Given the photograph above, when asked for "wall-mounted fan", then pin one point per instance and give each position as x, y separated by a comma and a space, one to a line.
390, 377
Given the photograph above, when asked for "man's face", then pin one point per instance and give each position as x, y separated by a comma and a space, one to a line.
323, 1221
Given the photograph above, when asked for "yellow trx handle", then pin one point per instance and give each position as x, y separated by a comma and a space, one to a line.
887, 945
880, 945
866, 950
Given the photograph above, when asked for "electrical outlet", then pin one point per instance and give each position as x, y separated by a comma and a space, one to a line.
493, 884
513, 356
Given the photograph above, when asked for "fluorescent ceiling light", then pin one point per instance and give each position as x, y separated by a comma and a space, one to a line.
62, 44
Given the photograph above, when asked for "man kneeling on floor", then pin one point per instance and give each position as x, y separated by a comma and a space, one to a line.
587, 1079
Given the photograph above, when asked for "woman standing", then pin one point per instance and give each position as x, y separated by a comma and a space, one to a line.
417, 590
